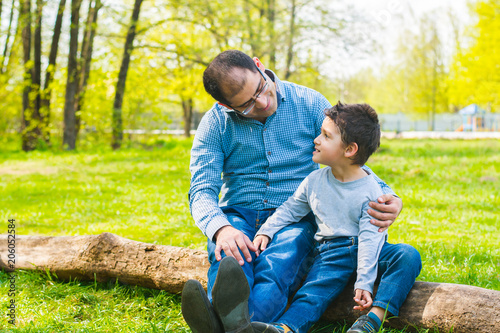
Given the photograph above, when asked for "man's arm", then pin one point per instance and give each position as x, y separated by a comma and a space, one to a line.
388, 207
207, 160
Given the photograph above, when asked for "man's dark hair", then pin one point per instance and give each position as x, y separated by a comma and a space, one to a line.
217, 77
357, 123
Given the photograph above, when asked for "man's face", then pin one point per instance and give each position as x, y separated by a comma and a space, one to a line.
255, 91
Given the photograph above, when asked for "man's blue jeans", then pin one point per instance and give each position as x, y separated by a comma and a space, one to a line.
335, 263
278, 271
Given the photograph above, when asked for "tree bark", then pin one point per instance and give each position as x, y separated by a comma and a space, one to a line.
37, 69
271, 27
3, 69
49, 73
106, 256
30, 122
290, 51
86, 57
187, 108
69, 135
117, 122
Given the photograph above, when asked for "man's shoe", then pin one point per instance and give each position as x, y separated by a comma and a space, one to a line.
259, 327
230, 297
364, 324
197, 310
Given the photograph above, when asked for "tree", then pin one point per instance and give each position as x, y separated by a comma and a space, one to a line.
49, 72
70, 133
117, 122
5, 53
86, 57
31, 118
476, 68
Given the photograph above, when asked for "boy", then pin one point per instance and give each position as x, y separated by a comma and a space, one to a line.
338, 195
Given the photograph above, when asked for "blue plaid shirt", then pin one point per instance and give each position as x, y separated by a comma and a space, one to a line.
261, 164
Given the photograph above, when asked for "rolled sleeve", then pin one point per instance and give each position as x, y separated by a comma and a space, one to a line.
206, 166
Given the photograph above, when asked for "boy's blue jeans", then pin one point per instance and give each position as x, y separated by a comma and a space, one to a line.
278, 271
335, 263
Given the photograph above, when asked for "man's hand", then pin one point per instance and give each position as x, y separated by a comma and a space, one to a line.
261, 242
231, 240
387, 210
364, 300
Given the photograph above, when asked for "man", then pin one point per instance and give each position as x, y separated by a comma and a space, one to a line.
259, 136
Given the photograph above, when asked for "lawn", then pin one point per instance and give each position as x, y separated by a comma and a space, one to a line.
450, 190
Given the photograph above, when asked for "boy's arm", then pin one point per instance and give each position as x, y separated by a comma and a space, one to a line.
387, 207
370, 243
291, 211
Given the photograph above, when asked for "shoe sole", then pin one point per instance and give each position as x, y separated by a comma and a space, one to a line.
197, 310
230, 297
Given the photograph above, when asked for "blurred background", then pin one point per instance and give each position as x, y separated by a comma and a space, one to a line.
79, 72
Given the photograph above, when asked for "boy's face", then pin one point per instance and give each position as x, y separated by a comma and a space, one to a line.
329, 148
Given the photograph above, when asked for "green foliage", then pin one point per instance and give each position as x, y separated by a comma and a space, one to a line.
449, 190
476, 69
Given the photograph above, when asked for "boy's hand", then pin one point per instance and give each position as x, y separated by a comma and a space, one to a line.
231, 240
260, 242
387, 211
364, 300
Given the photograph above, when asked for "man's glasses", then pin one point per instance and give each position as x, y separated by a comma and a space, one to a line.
263, 90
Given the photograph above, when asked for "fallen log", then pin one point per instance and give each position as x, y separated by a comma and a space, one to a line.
442, 306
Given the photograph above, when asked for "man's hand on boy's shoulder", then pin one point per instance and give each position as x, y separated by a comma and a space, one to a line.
385, 211
260, 242
363, 299
231, 240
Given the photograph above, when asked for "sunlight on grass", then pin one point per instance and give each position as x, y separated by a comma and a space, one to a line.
450, 191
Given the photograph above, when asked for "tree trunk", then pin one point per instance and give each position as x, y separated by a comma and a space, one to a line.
3, 69
69, 136
37, 69
49, 73
289, 55
86, 57
29, 121
106, 256
271, 18
117, 122
187, 108
10, 55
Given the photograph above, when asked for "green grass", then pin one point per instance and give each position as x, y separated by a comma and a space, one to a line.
450, 190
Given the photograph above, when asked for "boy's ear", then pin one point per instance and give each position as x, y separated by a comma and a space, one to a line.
351, 149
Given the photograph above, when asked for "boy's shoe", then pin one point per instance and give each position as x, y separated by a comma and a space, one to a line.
230, 297
364, 324
197, 310
259, 327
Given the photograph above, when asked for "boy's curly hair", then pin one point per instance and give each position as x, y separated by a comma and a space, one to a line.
357, 123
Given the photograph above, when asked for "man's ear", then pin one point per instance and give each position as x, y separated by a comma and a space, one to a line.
351, 149
259, 64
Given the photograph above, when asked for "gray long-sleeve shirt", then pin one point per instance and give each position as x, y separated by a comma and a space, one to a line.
340, 209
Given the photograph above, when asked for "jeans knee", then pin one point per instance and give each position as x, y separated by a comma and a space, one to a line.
410, 256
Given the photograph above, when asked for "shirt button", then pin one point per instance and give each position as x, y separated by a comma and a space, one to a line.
265, 201
269, 171
268, 153
267, 183
265, 129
